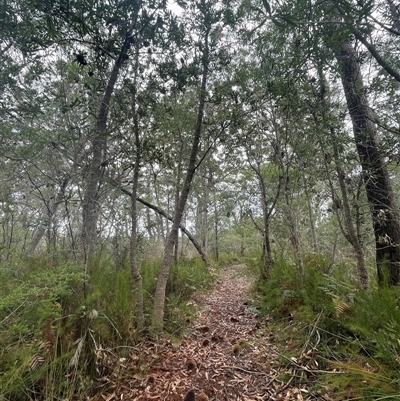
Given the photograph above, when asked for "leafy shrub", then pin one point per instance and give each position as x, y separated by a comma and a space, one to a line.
186, 276
57, 323
375, 320
33, 310
228, 258
358, 330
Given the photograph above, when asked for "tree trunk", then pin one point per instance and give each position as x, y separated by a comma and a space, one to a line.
379, 190
268, 260
159, 297
202, 214
216, 227
91, 197
135, 272
370, 47
347, 227
348, 221
176, 238
51, 208
293, 232
311, 219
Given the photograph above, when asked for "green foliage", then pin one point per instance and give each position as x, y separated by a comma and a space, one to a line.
56, 321
285, 292
227, 258
358, 331
34, 309
33, 297
186, 276
149, 270
375, 320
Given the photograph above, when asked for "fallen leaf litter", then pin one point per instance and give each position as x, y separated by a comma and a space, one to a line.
225, 355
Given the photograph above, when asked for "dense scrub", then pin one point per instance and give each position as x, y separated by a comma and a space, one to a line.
350, 330
62, 331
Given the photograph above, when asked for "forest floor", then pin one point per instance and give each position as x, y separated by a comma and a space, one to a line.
226, 354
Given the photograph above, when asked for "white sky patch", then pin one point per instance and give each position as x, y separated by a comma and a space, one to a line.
175, 8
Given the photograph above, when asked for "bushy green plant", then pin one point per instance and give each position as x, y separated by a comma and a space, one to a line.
287, 291
33, 310
57, 322
186, 276
149, 269
276, 293
358, 331
375, 320
227, 258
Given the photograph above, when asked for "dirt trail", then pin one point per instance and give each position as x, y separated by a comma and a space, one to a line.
226, 354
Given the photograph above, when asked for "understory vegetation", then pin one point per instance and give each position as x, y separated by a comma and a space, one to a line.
62, 331
323, 322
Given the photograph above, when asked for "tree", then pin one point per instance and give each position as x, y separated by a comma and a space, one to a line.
378, 186
379, 190
208, 19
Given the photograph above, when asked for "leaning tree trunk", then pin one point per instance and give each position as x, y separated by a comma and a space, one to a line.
91, 197
162, 213
159, 296
379, 190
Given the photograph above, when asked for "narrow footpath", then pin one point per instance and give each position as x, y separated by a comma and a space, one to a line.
226, 354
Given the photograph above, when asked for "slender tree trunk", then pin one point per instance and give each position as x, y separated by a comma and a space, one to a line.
159, 297
137, 278
51, 208
91, 197
202, 216
160, 227
176, 239
311, 218
348, 220
348, 229
294, 236
267, 211
216, 228
181, 227
379, 190
293, 232
268, 259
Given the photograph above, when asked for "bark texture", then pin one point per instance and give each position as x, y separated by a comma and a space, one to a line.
379, 190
